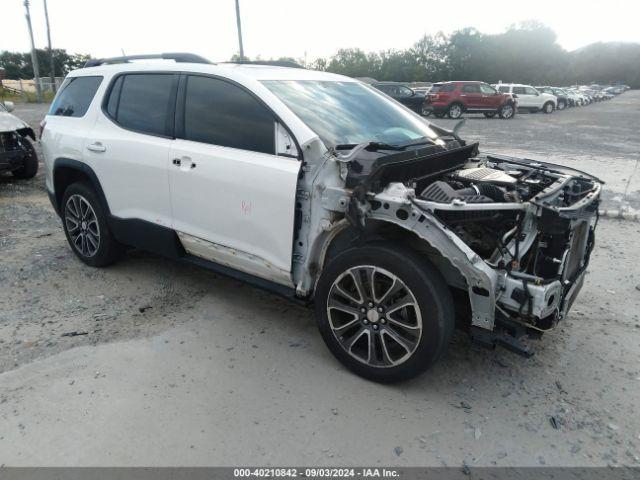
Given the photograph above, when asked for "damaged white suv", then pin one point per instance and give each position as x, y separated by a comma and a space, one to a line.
323, 189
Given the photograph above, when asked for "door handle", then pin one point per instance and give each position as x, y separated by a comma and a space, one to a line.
184, 162
96, 147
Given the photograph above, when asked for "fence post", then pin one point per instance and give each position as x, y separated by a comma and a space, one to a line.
23, 94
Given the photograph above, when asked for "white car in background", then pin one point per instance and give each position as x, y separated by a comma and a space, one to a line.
529, 98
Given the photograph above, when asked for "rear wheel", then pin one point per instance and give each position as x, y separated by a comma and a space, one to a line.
384, 312
85, 226
507, 111
29, 166
454, 111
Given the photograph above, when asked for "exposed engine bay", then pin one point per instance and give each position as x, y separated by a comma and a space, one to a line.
531, 223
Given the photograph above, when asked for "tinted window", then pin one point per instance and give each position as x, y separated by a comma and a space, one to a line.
141, 102
221, 113
504, 89
75, 96
531, 91
471, 88
519, 90
435, 88
405, 91
449, 87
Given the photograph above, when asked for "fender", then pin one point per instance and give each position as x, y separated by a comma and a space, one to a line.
60, 163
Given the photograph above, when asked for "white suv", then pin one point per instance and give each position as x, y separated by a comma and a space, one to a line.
320, 188
529, 98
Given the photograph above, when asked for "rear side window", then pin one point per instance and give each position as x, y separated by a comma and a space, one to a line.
75, 96
471, 88
503, 89
448, 87
142, 102
519, 90
221, 113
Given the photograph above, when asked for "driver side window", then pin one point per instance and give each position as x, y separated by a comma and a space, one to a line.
487, 90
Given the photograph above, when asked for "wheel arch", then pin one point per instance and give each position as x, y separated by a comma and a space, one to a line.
347, 236
67, 171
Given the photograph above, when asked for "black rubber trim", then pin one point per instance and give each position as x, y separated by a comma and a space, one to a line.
88, 171
146, 236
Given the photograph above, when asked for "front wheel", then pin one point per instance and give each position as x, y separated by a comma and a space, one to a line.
548, 108
385, 312
85, 225
507, 111
562, 105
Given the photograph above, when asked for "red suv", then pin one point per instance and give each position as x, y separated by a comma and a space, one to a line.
455, 98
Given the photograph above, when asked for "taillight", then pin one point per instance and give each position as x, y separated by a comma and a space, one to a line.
42, 125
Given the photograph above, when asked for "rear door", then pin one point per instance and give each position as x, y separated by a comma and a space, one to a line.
471, 96
233, 196
525, 100
128, 147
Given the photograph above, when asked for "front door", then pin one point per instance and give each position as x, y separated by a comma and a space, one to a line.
233, 197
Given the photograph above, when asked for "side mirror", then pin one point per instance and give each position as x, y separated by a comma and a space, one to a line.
10, 106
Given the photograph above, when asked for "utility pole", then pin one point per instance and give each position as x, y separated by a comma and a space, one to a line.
34, 58
239, 29
52, 70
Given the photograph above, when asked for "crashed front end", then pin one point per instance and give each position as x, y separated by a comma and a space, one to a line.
519, 232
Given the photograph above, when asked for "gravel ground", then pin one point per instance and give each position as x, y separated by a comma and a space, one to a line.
153, 362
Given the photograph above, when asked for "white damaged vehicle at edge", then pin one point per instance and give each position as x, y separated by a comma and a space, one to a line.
17, 153
325, 190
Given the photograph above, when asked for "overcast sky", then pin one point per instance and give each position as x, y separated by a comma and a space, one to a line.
274, 28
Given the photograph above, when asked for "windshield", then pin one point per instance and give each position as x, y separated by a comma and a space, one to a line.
349, 113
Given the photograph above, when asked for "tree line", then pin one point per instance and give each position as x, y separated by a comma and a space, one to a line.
17, 65
525, 53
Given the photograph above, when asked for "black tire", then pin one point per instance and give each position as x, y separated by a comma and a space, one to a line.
548, 108
490, 114
507, 111
424, 284
425, 112
562, 105
455, 111
29, 166
108, 250
439, 114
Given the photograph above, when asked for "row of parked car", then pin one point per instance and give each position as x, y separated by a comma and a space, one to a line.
454, 98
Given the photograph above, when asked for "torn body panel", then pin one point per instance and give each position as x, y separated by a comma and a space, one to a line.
516, 231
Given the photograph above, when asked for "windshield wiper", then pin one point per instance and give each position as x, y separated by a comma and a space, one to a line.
375, 146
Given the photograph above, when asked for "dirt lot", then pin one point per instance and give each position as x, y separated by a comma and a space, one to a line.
152, 362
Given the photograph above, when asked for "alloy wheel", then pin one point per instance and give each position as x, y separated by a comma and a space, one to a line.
507, 111
455, 111
82, 225
374, 316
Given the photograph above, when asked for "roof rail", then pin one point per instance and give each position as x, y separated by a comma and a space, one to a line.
176, 57
273, 63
